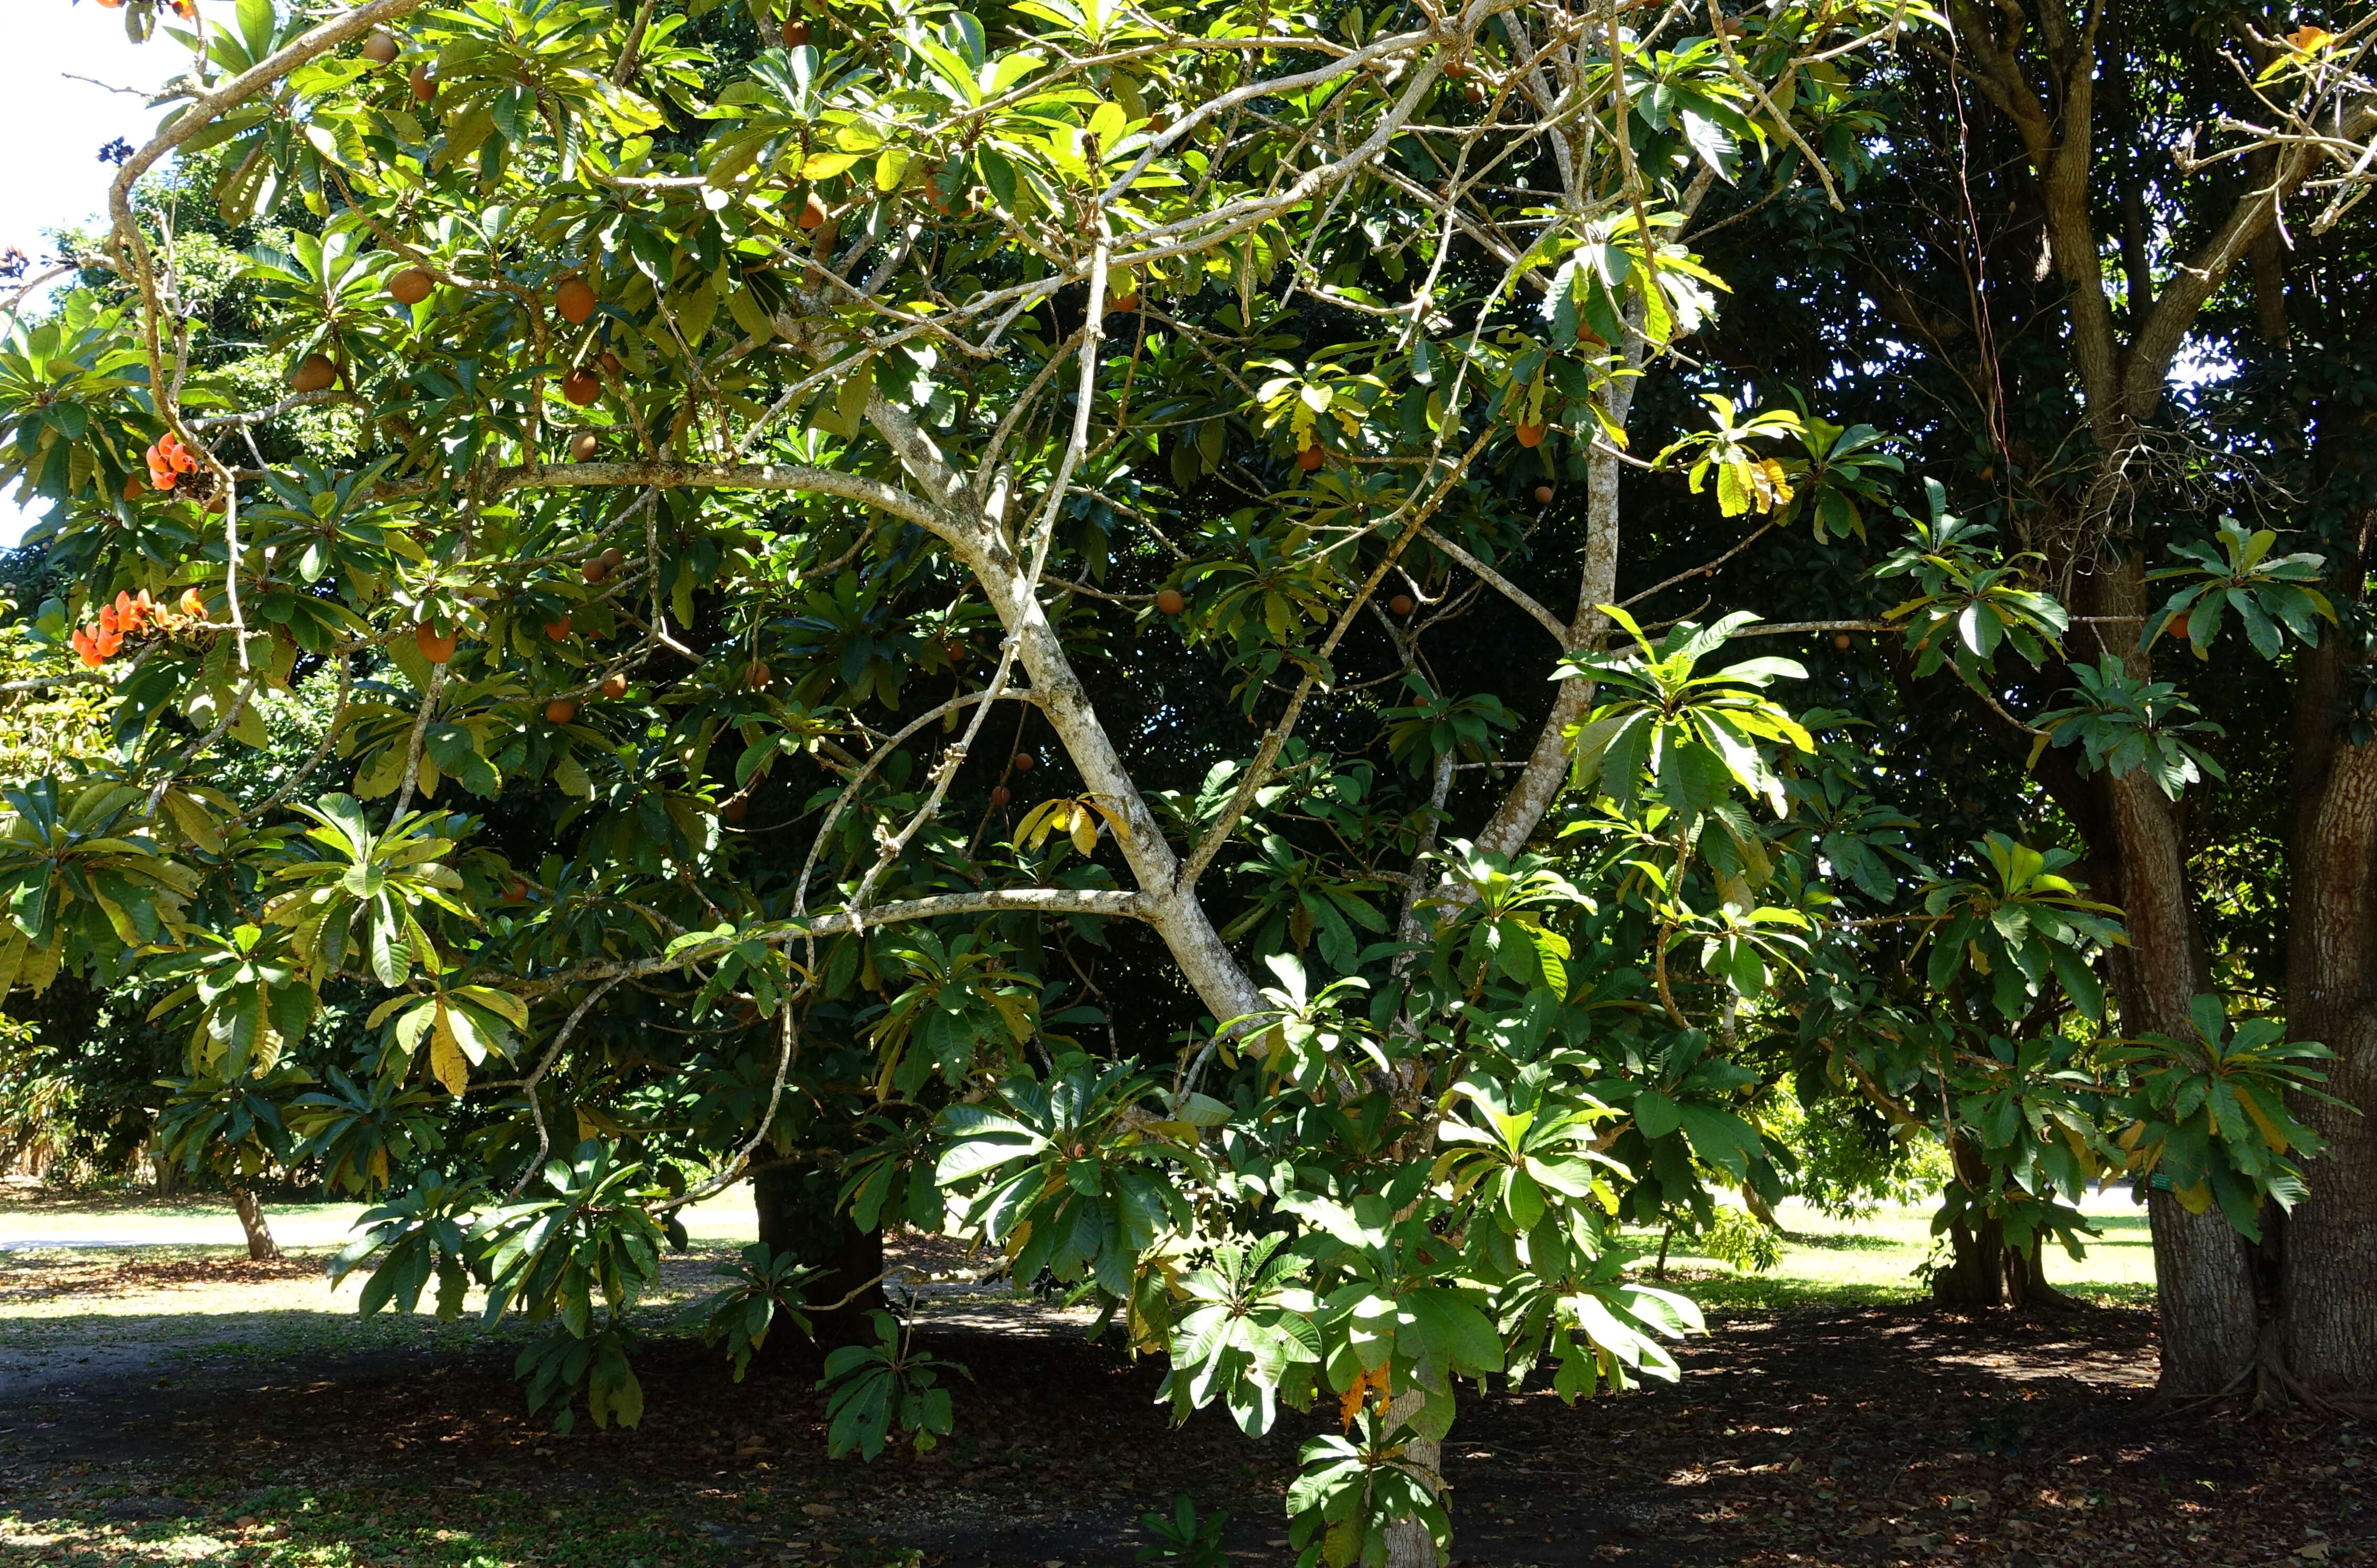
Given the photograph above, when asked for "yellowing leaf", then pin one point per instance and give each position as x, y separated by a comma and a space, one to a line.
447, 1061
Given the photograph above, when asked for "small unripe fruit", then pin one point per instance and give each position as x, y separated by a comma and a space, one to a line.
1170, 602
424, 87
613, 684
1543, 495
1310, 459
582, 386
380, 47
796, 31
1400, 604
560, 711
586, 446
575, 300
1531, 435
316, 375
1025, 761
998, 795
436, 646
559, 631
412, 286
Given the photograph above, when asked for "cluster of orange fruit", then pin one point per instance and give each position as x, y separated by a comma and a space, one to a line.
100, 641
168, 461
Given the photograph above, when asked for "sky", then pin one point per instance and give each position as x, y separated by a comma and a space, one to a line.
54, 125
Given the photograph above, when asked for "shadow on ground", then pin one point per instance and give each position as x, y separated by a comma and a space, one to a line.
1821, 1438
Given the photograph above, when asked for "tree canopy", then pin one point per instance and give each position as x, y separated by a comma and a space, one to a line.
1076, 624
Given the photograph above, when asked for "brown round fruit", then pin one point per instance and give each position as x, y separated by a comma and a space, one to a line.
316, 375
1543, 495
1170, 602
436, 646
1400, 604
1531, 435
613, 558
1456, 69
1025, 761
998, 795
380, 47
609, 361
813, 211
411, 286
560, 711
796, 31
613, 684
582, 386
759, 677
735, 810
575, 300
1472, 93
424, 87
585, 447
594, 570
1310, 457
1843, 641
514, 891
559, 631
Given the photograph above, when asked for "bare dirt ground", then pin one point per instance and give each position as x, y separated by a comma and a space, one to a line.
1828, 1437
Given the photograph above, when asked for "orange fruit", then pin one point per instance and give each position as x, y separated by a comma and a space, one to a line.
1543, 495
411, 286
1400, 604
1843, 641
1472, 93
582, 386
609, 361
998, 795
575, 300
796, 31
560, 711
1310, 458
1025, 761
514, 891
559, 631
813, 212
613, 684
424, 87
1531, 435
1170, 602
436, 646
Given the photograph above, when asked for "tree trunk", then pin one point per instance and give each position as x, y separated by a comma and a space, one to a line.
2327, 1292
797, 1215
261, 1248
1973, 1280
1408, 1543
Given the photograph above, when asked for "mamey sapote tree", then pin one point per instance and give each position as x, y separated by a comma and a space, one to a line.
1410, 1026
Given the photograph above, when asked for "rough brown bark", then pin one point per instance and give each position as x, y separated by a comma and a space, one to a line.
261, 1248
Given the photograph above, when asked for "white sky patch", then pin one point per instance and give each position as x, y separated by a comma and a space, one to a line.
54, 126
